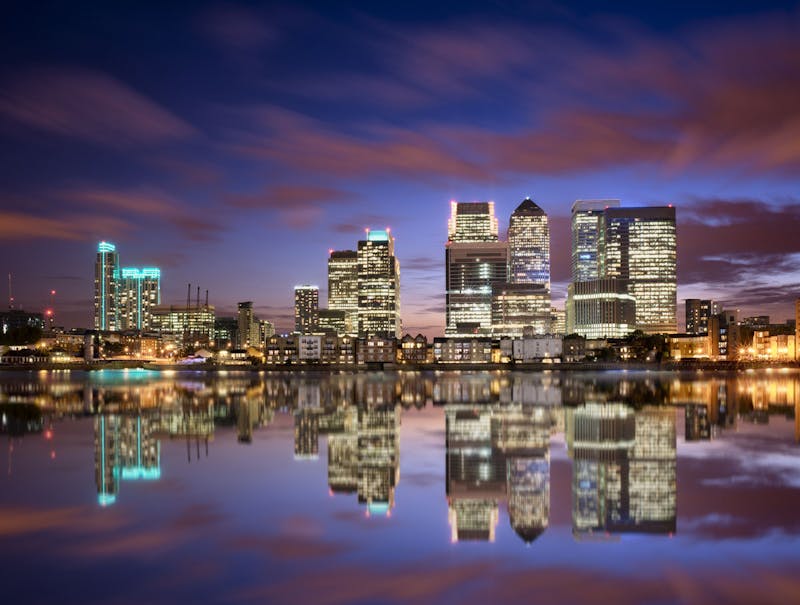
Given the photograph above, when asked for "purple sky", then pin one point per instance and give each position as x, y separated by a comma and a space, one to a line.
234, 144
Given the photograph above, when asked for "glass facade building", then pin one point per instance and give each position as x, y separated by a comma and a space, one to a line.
472, 222
475, 261
586, 237
640, 245
106, 271
343, 287
306, 309
138, 291
529, 245
378, 286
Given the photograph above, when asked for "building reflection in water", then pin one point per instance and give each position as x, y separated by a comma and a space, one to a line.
498, 452
498, 429
361, 417
623, 470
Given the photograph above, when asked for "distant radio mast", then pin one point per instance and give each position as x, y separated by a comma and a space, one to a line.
10, 293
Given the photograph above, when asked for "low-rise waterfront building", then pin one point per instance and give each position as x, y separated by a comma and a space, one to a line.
464, 350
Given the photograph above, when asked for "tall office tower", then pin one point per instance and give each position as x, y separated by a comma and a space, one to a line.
529, 245
640, 245
472, 222
343, 287
248, 329
106, 271
586, 236
138, 291
698, 312
306, 309
378, 286
475, 261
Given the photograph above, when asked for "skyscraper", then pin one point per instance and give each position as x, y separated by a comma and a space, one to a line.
475, 261
106, 271
343, 286
585, 237
138, 291
306, 309
529, 245
640, 245
472, 222
248, 332
378, 286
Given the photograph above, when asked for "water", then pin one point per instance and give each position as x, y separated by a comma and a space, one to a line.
140, 487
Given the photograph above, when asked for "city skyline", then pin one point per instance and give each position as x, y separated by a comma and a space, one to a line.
249, 161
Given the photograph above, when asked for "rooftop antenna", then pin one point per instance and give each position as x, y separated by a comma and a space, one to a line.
206, 300
10, 294
198, 298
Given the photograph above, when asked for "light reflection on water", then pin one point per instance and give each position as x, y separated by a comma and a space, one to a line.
347, 484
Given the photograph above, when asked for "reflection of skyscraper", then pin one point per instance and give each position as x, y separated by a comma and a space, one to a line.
522, 434
378, 456
698, 425
623, 476
106, 458
106, 271
139, 451
476, 476
343, 454
306, 434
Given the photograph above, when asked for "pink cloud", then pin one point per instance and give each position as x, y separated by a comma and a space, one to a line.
88, 105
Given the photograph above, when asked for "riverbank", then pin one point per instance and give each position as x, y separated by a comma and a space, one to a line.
586, 366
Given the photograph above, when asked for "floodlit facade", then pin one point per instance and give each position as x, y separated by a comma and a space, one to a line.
600, 308
378, 286
306, 309
106, 271
585, 237
472, 222
138, 291
640, 245
343, 286
520, 308
196, 324
529, 245
472, 270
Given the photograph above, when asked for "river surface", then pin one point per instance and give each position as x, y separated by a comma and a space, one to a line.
140, 487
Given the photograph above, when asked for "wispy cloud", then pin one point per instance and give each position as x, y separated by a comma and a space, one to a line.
90, 106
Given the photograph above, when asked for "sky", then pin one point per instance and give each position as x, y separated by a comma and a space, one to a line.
234, 144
